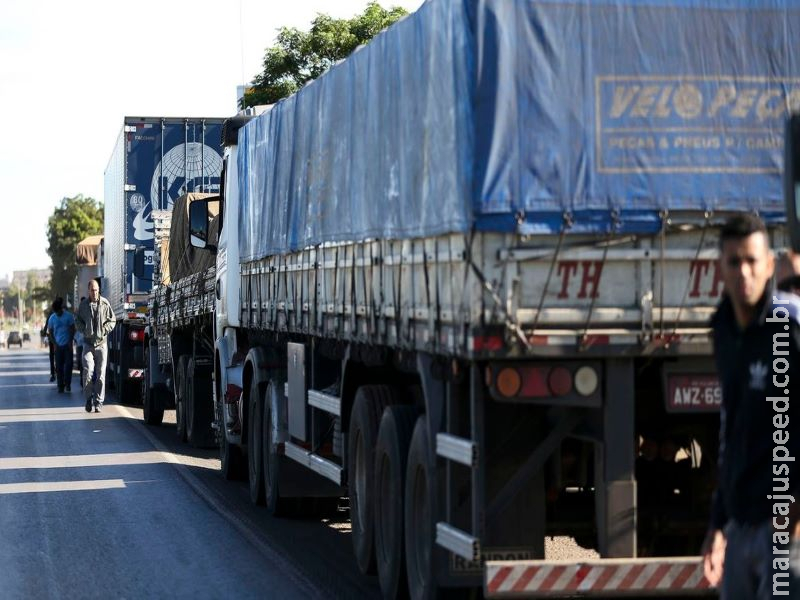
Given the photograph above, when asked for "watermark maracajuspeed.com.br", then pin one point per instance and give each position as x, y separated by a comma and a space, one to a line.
781, 457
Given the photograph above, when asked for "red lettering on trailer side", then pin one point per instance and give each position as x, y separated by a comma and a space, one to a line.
591, 271
593, 278
698, 270
568, 268
716, 285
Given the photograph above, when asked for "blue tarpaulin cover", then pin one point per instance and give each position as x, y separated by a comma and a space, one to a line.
504, 115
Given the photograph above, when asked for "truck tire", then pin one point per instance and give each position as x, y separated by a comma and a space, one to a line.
232, 461
420, 515
391, 454
199, 406
152, 400
271, 461
152, 404
255, 456
365, 419
180, 397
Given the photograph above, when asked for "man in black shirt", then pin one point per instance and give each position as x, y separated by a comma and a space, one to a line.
757, 352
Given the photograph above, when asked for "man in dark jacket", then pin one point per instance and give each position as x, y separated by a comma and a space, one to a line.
95, 320
757, 351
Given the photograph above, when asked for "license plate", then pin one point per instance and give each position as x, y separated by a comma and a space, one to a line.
693, 392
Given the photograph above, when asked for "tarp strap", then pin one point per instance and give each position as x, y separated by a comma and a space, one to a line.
706, 223
662, 259
510, 322
410, 329
609, 237
319, 263
398, 293
566, 224
353, 302
468, 240
286, 292
276, 289
368, 305
336, 290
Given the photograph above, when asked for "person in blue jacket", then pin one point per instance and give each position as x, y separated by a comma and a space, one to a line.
756, 331
61, 330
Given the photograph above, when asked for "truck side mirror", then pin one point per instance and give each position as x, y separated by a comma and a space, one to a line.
791, 179
198, 223
138, 262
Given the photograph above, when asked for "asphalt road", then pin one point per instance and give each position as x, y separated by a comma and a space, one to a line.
100, 505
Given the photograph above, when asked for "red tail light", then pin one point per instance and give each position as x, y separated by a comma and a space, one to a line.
560, 381
508, 382
136, 335
540, 380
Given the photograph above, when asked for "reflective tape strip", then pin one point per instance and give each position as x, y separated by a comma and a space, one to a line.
552, 578
135, 373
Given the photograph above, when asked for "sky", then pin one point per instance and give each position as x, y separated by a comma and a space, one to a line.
70, 72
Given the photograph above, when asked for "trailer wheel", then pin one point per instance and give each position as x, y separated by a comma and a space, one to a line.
232, 462
152, 400
180, 397
420, 515
199, 406
391, 454
153, 404
271, 460
365, 419
255, 458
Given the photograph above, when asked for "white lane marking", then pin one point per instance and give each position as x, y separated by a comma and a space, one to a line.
17, 373
84, 460
64, 413
60, 486
45, 410
26, 385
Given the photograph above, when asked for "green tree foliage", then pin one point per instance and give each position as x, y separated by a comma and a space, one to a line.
73, 220
301, 56
30, 297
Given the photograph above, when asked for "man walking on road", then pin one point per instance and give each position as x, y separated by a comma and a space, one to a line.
60, 329
757, 352
95, 321
51, 348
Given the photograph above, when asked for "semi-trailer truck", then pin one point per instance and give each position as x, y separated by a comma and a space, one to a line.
466, 277
153, 162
